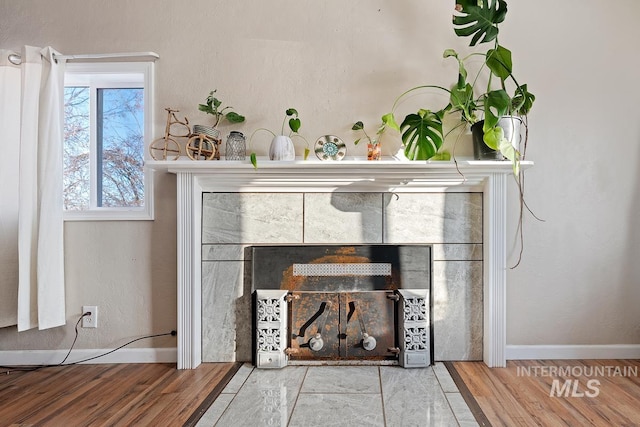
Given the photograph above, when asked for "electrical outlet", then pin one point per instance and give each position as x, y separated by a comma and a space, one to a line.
90, 320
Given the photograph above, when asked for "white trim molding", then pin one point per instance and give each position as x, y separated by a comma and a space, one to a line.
54, 357
549, 352
196, 177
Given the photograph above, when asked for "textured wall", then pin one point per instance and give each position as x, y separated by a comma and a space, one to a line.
337, 62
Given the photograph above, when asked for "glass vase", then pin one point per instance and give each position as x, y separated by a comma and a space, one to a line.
374, 151
236, 146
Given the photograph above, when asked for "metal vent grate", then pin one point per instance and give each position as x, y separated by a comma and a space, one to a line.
355, 269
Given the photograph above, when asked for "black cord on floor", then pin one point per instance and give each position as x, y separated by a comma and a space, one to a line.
11, 369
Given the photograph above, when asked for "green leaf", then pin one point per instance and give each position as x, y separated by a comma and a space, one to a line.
442, 155
499, 62
234, 117
291, 112
216, 102
357, 126
522, 101
210, 98
493, 137
516, 166
356, 141
449, 52
507, 149
496, 105
422, 135
294, 124
462, 71
461, 99
461, 96
254, 160
389, 120
479, 19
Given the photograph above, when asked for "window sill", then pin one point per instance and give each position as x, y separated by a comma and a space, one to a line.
109, 215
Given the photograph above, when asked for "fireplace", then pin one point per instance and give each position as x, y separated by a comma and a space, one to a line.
488, 249
342, 304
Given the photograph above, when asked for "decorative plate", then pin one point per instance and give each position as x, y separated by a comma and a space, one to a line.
330, 147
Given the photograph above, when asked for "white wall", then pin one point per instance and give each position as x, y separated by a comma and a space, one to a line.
338, 62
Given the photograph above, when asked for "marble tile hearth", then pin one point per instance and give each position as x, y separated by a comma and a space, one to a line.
340, 396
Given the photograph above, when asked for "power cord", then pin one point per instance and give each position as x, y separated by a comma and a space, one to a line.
10, 369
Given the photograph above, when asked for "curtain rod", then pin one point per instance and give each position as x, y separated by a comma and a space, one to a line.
109, 55
16, 59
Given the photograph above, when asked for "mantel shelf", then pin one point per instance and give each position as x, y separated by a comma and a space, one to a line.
390, 164
346, 175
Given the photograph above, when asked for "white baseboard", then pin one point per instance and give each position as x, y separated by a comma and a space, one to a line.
613, 351
170, 355
54, 357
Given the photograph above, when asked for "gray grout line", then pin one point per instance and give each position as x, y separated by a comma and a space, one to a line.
435, 374
238, 375
235, 394
227, 408
384, 414
460, 415
447, 379
452, 408
295, 402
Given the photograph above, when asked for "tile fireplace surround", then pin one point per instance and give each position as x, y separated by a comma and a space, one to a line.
478, 187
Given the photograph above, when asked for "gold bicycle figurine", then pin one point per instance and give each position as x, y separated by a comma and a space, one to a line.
162, 148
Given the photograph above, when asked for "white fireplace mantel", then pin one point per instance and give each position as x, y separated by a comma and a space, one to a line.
196, 177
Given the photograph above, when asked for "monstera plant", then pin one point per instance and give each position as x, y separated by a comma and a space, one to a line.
422, 131
479, 20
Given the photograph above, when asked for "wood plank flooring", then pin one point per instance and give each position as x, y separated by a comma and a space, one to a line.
108, 395
160, 395
524, 393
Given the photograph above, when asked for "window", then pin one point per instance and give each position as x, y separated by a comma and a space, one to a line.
107, 120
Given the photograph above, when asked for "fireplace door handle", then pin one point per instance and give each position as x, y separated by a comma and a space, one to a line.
368, 342
316, 343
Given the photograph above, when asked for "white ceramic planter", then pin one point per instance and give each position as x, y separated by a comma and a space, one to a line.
282, 148
512, 127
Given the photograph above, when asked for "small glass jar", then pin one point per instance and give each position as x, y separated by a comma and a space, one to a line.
236, 146
374, 151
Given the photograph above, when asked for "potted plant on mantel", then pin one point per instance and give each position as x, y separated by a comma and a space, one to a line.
422, 132
373, 145
282, 147
497, 133
213, 106
204, 141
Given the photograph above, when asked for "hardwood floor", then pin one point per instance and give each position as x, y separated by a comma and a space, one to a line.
522, 394
534, 392
108, 395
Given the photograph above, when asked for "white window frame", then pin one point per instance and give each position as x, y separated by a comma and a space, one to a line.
114, 75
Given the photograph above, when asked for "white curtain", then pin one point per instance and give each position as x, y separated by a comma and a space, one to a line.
32, 124
10, 148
